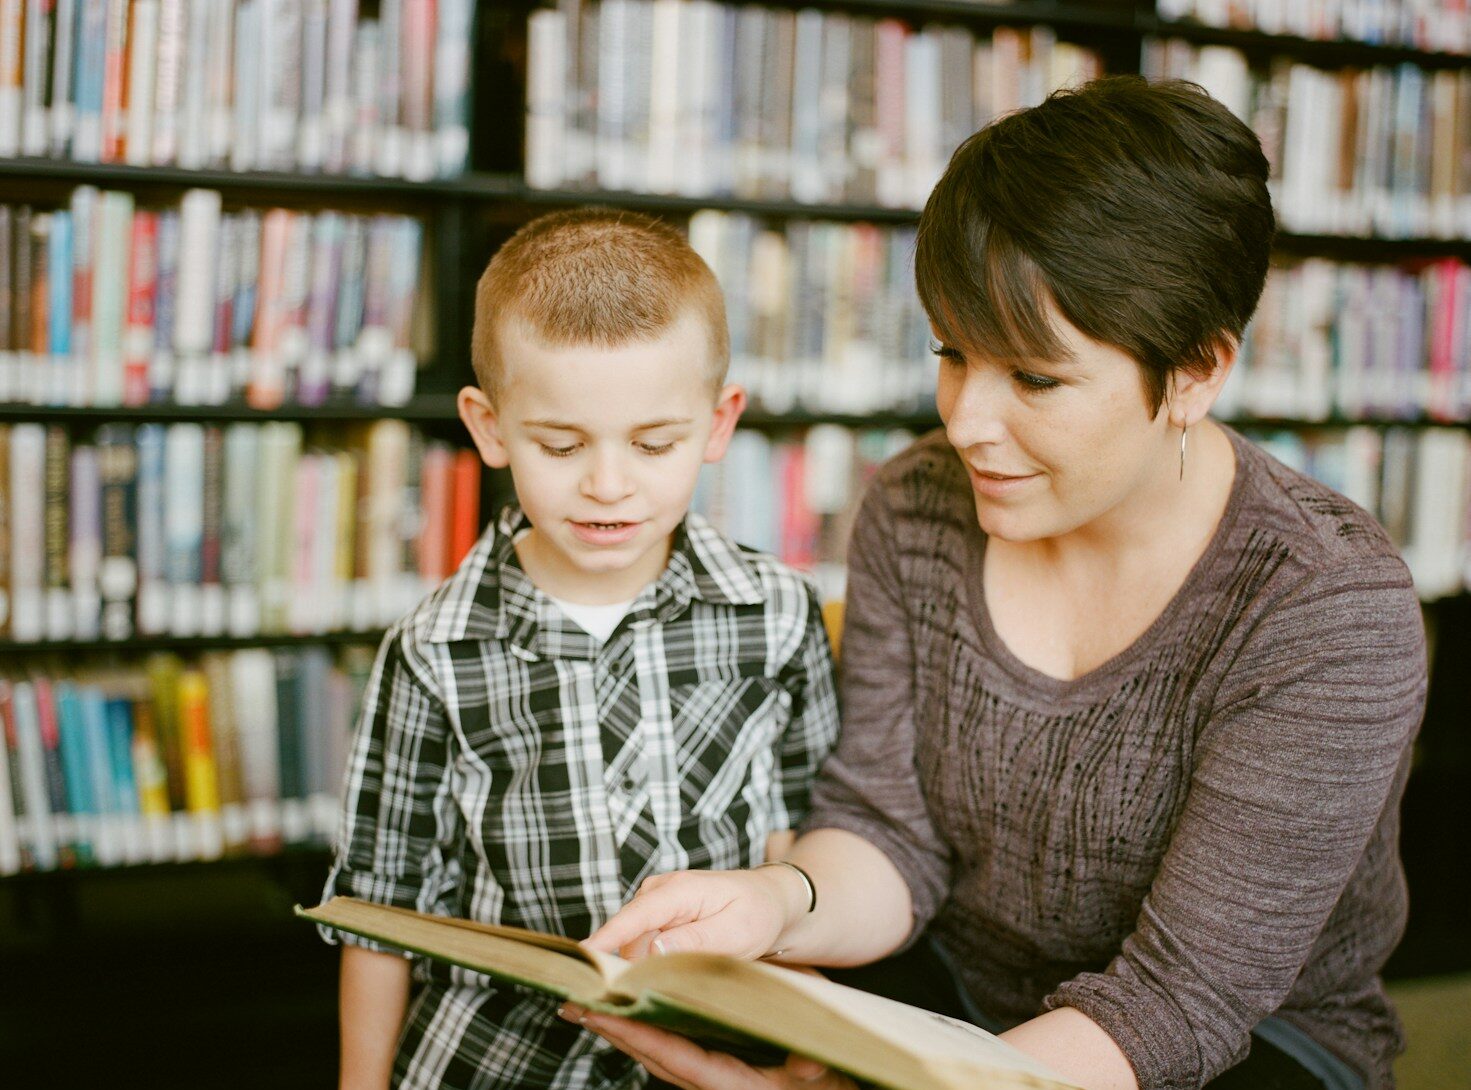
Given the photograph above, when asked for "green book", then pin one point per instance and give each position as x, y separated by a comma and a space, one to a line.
754, 1009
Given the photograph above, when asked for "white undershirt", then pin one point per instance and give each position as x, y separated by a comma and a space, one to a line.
597, 621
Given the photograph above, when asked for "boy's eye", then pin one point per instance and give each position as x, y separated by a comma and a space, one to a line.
558, 452
656, 448
1035, 382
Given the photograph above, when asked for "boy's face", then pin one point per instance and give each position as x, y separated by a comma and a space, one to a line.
604, 446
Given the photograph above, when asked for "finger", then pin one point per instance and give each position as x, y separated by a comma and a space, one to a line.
804, 1068
718, 933
653, 911
640, 947
677, 1059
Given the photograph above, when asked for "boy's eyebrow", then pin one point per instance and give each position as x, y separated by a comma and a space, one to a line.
562, 425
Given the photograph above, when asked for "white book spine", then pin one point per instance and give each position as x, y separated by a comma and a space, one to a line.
664, 104
198, 259
545, 101
244, 136
452, 85
310, 137
171, 32
85, 556
200, 22
184, 525
12, 20
143, 47
342, 17
31, 752
220, 77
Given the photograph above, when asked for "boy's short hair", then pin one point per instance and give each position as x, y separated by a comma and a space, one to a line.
595, 276
1139, 209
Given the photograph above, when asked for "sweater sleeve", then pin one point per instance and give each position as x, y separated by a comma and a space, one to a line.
1303, 751
869, 786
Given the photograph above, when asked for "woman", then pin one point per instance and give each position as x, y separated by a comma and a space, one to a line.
1127, 703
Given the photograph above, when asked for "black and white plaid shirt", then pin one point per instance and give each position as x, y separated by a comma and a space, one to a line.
510, 769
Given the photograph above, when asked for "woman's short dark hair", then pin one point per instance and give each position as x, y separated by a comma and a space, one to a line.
1139, 209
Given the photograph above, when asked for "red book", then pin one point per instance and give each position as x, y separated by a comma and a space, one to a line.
465, 521
142, 296
436, 484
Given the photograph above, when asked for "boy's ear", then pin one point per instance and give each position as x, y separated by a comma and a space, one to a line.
479, 417
729, 405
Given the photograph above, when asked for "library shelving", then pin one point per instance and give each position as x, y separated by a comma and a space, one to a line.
230, 909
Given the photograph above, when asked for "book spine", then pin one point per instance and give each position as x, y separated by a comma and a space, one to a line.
119, 718
40, 825
35, 107
114, 74
310, 134
62, 100
91, 63
465, 521
253, 680
58, 473
138, 343
201, 776
455, 32
342, 17
152, 594
199, 229
12, 35
84, 204
146, 44
117, 573
238, 567
194, 105
109, 296
184, 526
85, 555
67, 387
12, 799
213, 607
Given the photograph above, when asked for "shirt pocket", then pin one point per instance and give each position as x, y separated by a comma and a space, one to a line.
726, 732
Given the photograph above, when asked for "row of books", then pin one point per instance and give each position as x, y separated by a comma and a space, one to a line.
1441, 26
1415, 481
1382, 151
698, 98
795, 496
823, 316
104, 302
1357, 341
292, 85
174, 760
245, 530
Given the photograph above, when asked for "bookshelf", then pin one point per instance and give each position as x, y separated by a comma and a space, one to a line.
465, 214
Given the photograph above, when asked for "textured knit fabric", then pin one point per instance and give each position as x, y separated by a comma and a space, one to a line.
509, 768
1198, 833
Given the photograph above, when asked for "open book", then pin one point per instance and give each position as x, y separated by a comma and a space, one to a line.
754, 1009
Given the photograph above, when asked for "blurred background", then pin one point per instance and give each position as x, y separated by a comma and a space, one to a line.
238, 247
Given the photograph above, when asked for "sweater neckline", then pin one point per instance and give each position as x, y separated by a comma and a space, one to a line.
1050, 688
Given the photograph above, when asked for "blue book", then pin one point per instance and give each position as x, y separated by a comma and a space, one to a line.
59, 264
106, 844
124, 779
75, 764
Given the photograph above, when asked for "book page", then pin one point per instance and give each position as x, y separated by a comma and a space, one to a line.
867, 1035
549, 963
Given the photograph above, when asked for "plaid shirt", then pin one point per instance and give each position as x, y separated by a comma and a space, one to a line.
508, 768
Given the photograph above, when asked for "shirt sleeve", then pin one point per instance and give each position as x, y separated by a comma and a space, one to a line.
1307, 746
399, 820
870, 786
813, 727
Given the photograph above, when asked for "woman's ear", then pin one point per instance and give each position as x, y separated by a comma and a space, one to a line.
729, 405
480, 420
1190, 396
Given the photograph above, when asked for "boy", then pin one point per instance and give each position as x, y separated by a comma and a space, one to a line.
605, 690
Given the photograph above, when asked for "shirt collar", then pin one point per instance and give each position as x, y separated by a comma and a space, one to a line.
504, 604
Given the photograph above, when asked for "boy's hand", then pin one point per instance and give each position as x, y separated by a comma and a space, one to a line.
740, 913
677, 1060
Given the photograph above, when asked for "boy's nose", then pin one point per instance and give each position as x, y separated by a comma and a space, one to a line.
606, 482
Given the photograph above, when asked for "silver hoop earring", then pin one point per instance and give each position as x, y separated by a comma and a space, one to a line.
1184, 433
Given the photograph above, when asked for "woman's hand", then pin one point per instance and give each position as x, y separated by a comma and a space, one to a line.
680, 1061
740, 913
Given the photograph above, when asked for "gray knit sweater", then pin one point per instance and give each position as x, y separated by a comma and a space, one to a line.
1195, 835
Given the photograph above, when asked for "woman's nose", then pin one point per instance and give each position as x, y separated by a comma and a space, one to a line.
977, 414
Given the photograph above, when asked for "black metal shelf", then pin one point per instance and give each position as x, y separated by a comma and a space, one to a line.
428, 407
1333, 422
1335, 52
1116, 17
189, 644
310, 855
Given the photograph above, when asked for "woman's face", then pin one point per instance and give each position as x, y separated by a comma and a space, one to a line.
1052, 447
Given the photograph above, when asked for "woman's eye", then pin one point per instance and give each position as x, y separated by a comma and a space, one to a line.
945, 352
656, 448
1035, 382
558, 452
